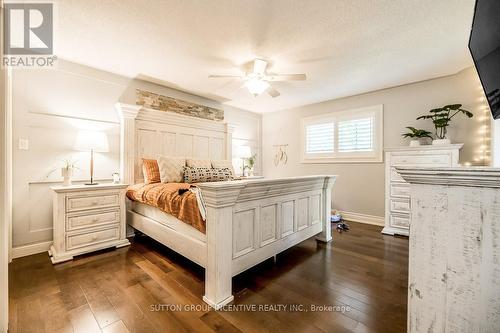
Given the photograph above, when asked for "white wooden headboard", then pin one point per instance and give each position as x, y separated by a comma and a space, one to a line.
147, 133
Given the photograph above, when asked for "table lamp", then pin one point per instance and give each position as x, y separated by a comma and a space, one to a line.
91, 142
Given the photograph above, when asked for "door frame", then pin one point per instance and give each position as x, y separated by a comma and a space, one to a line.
5, 186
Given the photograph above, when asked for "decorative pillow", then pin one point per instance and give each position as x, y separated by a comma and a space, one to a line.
204, 175
198, 163
223, 164
171, 169
151, 171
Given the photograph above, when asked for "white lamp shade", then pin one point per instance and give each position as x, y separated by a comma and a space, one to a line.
88, 140
244, 152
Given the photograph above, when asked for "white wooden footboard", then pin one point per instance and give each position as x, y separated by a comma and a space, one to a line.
251, 221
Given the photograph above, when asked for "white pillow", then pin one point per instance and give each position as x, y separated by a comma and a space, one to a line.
171, 169
198, 163
221, 164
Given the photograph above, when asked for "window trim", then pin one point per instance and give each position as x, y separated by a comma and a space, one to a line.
376, 156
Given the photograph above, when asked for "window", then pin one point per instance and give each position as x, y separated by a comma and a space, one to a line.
319, 138
356, 135
346, 136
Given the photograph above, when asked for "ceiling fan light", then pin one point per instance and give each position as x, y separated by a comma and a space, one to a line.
256, 86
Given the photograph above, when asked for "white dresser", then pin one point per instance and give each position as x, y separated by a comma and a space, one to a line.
86, 219
397, 191
454, 271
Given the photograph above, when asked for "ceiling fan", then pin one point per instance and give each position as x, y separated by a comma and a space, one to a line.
257, 81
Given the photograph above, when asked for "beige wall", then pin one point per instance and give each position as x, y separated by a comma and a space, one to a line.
360, 187
496, 143
79, 92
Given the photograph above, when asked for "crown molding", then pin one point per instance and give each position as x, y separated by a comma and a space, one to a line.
220, 194
127, 111
460, 176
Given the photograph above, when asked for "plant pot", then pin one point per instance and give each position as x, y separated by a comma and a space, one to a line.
441, 142
415, 143
66, 174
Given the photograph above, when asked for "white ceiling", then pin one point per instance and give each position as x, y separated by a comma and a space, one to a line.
344, 47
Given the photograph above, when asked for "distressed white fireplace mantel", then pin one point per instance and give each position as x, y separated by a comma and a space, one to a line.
454, 261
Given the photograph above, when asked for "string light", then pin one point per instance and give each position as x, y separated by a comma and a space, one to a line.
483, 151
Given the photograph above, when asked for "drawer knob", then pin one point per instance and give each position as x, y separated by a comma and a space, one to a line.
94, 237
95, 202
95, 220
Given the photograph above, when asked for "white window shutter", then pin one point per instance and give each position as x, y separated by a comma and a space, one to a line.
355, 135
320, 138
350, 136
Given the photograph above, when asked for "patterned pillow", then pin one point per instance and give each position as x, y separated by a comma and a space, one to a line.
171, 169
151, 171
218, 164
205, 175
198, 163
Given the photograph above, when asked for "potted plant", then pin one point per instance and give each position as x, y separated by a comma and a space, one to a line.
441, 117
250, 164
67, 169
416, 135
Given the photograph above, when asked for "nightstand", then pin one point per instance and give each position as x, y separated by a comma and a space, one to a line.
86, 219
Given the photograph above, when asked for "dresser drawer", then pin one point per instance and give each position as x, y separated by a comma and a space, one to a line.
111, 199
400, 205
395, 176
400, 190
78, 222
400, 220
93, 238
434, 160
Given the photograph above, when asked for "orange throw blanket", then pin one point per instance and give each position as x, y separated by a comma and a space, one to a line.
165, 196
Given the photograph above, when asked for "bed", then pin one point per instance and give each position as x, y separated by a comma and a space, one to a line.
247, 221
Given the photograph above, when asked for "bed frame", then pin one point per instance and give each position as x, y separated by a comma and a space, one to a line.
248, 221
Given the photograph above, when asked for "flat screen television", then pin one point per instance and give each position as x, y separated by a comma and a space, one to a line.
484, 45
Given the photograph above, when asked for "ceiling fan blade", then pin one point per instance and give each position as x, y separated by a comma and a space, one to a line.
273, 92
286, 77
259, 66
223, 76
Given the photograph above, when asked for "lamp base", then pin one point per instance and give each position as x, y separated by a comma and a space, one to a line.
92, 183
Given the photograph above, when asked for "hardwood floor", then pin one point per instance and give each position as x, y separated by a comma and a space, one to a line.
122, 290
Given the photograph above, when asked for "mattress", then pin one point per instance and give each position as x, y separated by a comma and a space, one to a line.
166, 219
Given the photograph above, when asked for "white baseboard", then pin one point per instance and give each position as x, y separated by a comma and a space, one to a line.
26, 250
363, 218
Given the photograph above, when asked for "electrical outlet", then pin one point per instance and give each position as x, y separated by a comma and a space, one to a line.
24, 144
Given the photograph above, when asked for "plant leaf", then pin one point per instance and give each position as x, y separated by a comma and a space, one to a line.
441, 122
467, 113
452, 106
436, 110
